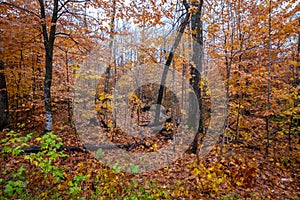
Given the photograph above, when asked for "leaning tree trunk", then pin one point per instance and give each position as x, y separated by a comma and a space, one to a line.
169, 60
3, 99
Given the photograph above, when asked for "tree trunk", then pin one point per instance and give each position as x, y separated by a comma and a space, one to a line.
298, 69
269, 82
197, 35
183, 25
297, 79
111, 43
48, 44
3, 99
47, 89
68, 89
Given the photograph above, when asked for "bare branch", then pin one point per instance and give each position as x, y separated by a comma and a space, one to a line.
68, 35
186, 5
63, 5
43, 17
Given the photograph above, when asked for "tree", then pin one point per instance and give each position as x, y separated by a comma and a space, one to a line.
49, 38
196, 70
169, 60
269, 77
111, 43
3, 99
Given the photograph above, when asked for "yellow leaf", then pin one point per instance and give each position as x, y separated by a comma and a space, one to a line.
88, 176
154, 147
60, 187
109, 124
209, 176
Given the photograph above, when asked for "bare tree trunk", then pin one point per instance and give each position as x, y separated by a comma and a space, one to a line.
3, 99
68, 89
269, 82
183, 25
238, 120
108, 69
34, 82
298, 72
196, 72
48, 44
240, 98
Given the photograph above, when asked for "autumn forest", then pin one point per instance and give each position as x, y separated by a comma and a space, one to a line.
145, 99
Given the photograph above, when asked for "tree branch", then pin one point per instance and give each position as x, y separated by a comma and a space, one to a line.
69, 35
44, 26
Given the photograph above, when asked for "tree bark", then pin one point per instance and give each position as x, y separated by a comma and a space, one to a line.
269, 81
297, 80
49, 46
298, 67
183, 25
111, 43
197, 35
3, 99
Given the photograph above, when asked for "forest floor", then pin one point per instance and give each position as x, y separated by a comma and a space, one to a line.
241, 172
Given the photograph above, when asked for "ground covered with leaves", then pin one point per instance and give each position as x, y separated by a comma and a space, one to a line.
232, 170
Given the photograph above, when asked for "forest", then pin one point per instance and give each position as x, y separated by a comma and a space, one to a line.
149, 99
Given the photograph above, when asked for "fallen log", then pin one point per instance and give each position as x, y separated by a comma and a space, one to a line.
36, 149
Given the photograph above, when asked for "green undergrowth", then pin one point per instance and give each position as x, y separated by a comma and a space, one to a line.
43, 175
